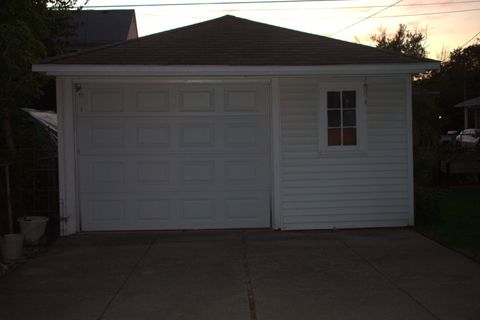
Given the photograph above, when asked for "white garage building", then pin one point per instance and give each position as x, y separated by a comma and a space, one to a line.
232, 123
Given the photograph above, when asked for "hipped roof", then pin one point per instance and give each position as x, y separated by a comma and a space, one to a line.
233, 41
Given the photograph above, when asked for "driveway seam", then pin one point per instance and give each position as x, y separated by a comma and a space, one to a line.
248, 280
388, 279
129, 275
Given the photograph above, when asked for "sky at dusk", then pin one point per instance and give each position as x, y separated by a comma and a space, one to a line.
447, 24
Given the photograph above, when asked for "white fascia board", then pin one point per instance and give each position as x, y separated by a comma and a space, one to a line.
155, 70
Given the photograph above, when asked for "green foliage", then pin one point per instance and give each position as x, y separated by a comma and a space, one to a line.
29, 30
405, 41
427, 209
460, 222
21, 31
457, 80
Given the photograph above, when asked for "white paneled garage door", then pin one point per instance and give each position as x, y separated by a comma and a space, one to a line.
173, 156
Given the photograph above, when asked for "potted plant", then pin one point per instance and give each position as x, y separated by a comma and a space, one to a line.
11, 243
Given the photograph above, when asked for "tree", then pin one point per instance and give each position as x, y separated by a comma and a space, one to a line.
404, 41
457, 80
28, 31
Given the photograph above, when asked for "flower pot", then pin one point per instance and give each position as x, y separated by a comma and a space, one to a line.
32, 228
12, 246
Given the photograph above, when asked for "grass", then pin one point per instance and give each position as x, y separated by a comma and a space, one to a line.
459, 225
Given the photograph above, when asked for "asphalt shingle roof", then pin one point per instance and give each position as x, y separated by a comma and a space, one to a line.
233, 41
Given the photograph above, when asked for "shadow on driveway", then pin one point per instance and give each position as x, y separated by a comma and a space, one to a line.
256, 274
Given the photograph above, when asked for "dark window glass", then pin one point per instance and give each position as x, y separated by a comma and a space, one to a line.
334, 137
341, 118
334, 118
349, 118
348, 99
333, 100
349, 137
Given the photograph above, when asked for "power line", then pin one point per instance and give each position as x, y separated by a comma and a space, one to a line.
368, 17
350, 7
353, 7
208, 3
470, 39
336, 18
277, 1
427, 13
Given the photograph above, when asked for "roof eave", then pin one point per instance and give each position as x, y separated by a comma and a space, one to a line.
216, 70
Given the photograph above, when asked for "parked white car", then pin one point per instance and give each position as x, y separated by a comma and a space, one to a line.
448, 139
469, 138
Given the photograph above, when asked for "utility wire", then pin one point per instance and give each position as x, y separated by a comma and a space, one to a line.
427, 13
352, 7
207, 3
336, 18
276, 1
470, 39
368, 17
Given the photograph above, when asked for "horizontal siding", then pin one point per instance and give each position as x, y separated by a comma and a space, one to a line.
345, 191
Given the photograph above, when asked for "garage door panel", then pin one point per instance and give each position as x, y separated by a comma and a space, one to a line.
162, 173
196, 99
196, 135
105, 136
134, 135
174, 157
197, 172
241, 172
152, 210
152, 100
179, 210
152, 135
153, 172
106, 101
245, 98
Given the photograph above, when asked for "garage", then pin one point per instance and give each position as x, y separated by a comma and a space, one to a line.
233, 123
173, 155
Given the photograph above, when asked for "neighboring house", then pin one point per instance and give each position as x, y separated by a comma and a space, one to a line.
92, 28
232, 123
100, 27
471, 111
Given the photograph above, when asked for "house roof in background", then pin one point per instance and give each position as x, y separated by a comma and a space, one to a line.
233, 41
100, 27
475, 102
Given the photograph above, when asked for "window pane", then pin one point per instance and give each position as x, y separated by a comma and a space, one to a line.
334, 137
333, 118
349, 137
333, 99
349, 118
349, 99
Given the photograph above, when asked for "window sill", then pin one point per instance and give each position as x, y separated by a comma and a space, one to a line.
342, 153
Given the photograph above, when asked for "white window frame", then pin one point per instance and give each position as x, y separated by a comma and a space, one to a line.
360, 89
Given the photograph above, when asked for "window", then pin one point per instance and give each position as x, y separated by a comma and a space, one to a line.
341, 117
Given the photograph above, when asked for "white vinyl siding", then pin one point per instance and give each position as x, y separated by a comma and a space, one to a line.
368, 189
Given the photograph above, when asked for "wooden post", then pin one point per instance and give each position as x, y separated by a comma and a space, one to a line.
9, 198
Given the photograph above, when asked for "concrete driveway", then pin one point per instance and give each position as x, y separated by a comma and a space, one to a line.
356, 274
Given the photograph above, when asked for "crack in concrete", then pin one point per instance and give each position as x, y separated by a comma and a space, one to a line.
248, 280
129, 275
388, 279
